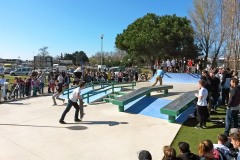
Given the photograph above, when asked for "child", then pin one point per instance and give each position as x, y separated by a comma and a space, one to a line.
51, 85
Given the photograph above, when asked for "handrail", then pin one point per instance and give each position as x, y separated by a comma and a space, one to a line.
103, 88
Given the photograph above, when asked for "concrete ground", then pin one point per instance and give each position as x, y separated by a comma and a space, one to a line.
29, 130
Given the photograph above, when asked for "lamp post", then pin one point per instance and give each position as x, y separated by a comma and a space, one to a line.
101, 36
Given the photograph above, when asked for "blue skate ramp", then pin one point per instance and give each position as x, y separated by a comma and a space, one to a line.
150, 106
94, 95
179, 78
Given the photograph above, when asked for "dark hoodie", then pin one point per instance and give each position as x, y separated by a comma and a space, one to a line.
188, 156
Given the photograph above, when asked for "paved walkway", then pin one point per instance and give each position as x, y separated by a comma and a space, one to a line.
29, 130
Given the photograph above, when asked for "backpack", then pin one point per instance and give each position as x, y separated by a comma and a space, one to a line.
224, 154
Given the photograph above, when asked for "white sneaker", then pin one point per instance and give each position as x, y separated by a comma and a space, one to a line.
191, 115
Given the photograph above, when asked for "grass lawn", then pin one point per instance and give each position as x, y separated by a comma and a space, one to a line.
188, 133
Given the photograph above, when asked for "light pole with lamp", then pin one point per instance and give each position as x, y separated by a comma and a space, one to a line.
101, 36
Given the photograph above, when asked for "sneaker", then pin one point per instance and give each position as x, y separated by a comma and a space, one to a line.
191, 116
77, 120
204, 127
63, 100
62, 122
54, 104
198, 127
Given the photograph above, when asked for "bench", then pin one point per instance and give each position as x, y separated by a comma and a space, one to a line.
179, 105
144, 91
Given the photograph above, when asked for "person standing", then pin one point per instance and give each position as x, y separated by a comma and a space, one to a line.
59, 88
233, 106
215, 82
41, 79
160, 73
75, 96
202, 110
226, 77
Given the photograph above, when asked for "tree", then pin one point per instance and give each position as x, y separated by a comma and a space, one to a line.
216, 26
43, 53
80, 57
153, 37
109, 58
232, 14
203, 16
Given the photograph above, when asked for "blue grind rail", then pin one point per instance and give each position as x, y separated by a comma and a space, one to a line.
179, 78
93, 98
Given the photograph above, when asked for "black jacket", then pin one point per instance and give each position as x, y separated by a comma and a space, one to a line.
188, 156
234, 99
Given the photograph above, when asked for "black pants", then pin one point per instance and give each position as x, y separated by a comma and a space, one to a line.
202, 114
225, 95
69, 106
78, 74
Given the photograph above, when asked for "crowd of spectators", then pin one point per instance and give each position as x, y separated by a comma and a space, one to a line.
35, 83
226, 148
180, 65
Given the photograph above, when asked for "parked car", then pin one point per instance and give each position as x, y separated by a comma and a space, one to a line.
1, 71
7, 71
20, 71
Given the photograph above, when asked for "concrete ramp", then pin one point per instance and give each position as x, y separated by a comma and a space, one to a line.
179, 78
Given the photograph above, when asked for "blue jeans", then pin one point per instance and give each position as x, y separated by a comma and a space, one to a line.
76, 106
41, 87
231, 116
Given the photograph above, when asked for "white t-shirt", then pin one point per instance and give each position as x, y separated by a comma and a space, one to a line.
74, 96
79, 69
204, 93
60, 79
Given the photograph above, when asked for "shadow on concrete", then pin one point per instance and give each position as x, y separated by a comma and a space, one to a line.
17, 103
110, 123
140, 105
68, 127
167, 95
76, 127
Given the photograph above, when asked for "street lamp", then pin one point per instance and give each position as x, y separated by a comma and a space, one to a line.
101, 36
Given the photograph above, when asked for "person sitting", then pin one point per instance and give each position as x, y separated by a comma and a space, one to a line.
235, 140
169, 153
207, 152
221, 141
144, 155
185, 153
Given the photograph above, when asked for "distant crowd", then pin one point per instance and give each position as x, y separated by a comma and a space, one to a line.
35, 83
180, 65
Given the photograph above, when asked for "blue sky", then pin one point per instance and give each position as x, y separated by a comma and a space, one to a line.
66, 26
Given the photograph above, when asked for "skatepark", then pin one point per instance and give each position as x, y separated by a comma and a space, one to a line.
29, 128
